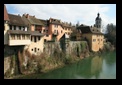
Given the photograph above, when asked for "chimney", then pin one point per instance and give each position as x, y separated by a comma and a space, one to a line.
27, 15
18, 14
24, 14
34, 16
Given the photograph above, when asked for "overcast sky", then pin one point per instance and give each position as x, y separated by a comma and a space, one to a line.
84, 13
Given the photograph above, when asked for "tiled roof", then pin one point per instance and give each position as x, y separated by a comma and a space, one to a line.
88, 29
44, 22
34, 20
16, 20
5, 14
36, 33
17, 32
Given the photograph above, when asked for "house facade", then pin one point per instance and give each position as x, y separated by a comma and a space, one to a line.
17, 33
57, 29
94, 37
20, 31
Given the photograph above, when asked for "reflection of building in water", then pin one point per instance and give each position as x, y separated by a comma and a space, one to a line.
96, 65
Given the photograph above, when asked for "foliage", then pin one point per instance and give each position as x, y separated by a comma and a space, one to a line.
111, 34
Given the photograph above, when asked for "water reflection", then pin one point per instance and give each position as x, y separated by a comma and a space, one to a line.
90, 68
96, 66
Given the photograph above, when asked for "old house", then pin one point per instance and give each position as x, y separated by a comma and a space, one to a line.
37, 34
37, 43
93, 36
33, 23
56, 29
17, 33
45, 29
76, 35
67, 28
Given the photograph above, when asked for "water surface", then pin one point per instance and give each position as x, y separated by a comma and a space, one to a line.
97, 67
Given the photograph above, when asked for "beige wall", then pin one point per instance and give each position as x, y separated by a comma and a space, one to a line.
19, 42
60, 34
48, 38
97, 44
6, 28
32, 28
21, 39
39, 45
67, 30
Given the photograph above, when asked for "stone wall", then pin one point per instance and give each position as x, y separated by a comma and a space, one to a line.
28, 63
71, 48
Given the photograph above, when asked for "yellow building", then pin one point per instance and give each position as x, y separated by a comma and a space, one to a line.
93, 36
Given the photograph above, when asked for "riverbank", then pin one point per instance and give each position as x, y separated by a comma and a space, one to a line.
31, 64
94, 67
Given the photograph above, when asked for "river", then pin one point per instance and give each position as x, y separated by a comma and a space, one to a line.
97, 67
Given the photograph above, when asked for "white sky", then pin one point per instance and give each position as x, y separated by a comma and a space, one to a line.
84, 13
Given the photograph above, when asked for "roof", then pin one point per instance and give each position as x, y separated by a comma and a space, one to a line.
25, 21
88, 29
44, 22
17, 32
36, 33
16, 20
6, 17
34, 20
55, 21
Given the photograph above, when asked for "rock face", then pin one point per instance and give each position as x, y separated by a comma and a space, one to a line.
10, 66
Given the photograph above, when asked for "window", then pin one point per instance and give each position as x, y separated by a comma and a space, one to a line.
101, 39
14, 27
10, 27
34, 38
31, 49
56, 26
54, 31
98, 40
31, 38
94, 40
47, 35
44, 40
28, 36
38, 49
19, 27
35, 49
61, 31
23, 37
38, 37
46, 31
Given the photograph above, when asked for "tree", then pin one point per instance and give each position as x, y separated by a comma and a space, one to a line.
77, 24
111, 33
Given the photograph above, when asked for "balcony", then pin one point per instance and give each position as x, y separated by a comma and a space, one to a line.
18, 42
16, 37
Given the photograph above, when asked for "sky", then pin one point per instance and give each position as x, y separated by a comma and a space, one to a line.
82, 13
